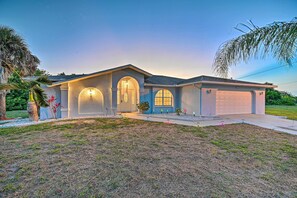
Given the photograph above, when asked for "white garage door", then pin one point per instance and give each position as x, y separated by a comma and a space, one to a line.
233, 102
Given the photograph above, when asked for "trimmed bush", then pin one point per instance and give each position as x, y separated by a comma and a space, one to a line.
143, 106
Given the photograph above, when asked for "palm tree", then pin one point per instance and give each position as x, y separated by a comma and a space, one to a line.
37, 97
278, 39
14, 55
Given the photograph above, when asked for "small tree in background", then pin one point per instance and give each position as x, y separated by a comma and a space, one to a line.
275, 97
37, 97
18, 99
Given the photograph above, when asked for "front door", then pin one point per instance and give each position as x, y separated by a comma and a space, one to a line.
127, 101
127, 94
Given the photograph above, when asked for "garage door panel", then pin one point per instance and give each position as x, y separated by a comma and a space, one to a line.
233, 102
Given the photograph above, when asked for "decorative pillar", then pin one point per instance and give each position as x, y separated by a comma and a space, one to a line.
64, 101
114, 91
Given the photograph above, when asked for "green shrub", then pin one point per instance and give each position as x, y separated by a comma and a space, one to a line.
178, 111
275, 97
287, 100
143, 106
16, 99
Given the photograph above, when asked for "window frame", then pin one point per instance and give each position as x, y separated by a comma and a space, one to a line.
163, 97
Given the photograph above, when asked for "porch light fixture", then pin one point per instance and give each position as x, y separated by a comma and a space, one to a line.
91, 92
261, 93
208, 91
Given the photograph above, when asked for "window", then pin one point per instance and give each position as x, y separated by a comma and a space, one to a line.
163, 98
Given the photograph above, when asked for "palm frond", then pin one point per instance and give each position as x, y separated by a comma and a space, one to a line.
278, 39
39, 96
43, 80
10, 86
14, 53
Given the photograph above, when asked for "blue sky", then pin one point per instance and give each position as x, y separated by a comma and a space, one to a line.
177, 38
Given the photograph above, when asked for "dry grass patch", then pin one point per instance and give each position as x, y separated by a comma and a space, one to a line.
132, 158
77, 122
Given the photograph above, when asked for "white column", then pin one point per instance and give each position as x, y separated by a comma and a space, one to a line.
64, 101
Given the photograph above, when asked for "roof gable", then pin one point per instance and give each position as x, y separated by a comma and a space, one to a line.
86, 76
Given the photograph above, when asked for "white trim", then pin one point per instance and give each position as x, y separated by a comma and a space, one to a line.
216, 83
159, 85
239, 84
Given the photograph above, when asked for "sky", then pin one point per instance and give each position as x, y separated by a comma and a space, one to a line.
165, 37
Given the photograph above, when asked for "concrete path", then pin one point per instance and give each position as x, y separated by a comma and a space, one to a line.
266, 121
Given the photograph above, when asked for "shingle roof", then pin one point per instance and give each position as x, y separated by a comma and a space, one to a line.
65, 77
152, 79
167, 80
163, 80
214, 79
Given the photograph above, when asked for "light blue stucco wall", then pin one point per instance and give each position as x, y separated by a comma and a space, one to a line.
149, 96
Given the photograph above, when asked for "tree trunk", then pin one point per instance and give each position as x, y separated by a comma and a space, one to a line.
3, 105
32, 111
3, 79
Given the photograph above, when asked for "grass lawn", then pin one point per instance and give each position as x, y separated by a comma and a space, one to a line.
133, 158
279, 110
17, 114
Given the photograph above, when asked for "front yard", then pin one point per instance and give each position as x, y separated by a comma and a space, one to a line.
133, 158
280, 110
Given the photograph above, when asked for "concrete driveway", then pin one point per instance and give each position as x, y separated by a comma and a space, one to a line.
266, 121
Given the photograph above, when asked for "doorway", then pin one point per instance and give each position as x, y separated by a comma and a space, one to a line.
127, 94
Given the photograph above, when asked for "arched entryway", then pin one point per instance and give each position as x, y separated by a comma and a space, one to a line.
127, 94
90, 101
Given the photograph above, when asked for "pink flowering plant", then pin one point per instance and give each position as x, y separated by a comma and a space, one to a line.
53, 105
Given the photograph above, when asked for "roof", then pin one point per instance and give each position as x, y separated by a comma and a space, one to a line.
164, 80
85, 76
158, 80
65, 77
214, 79
57, 78
178, 82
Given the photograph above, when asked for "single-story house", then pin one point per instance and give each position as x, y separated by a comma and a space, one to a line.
120, 89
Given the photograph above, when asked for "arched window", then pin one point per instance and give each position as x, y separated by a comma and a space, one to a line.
90, 101
163, 98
